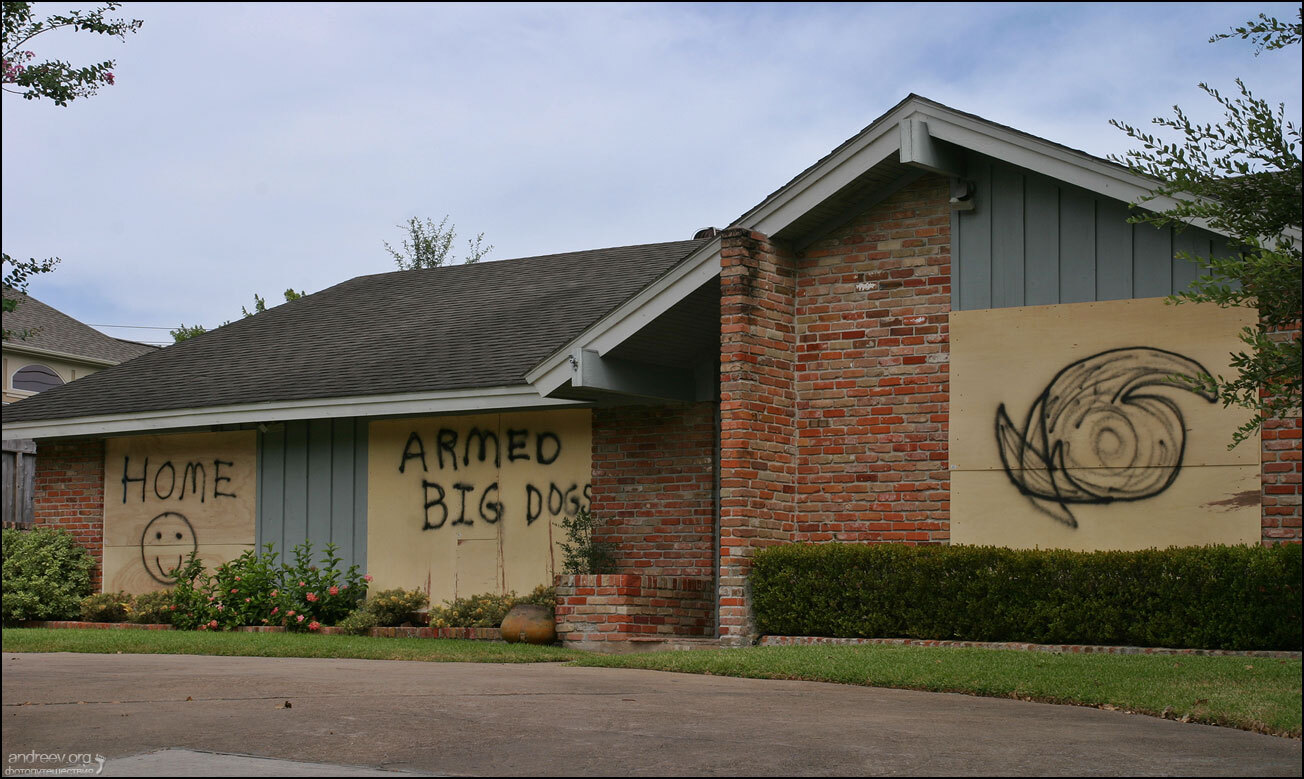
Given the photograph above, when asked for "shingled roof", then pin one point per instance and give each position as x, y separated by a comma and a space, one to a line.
49, 329
458, 327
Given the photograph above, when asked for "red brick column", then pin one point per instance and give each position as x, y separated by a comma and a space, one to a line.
68, 492
653, 481
1281, 469
873, 310
757, 413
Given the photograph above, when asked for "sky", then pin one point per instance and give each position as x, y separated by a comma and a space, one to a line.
247, 148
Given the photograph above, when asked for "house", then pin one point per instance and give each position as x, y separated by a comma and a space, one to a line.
44, 348
945, 331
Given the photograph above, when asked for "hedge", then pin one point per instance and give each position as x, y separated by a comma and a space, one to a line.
1212, 597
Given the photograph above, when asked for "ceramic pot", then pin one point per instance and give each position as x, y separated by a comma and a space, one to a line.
530, 624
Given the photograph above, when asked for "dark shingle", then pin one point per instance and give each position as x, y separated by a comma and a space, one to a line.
459, 327
48, 328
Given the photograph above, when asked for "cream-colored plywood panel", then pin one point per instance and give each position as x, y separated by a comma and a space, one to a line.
168, 495
1066, 429
1216, 504
460, 505
131, 569
1012, 356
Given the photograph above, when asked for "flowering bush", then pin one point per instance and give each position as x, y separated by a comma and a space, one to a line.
254, 590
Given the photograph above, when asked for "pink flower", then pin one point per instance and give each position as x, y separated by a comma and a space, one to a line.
345, 587
172, 608
108, 78
299, 618
314, 625
234, 590
276, 609
274, 593
367, 578
301, 584
312, 597
219, 607
213, 624
210, 598
248, 599
203, 627
334, 590
290, 613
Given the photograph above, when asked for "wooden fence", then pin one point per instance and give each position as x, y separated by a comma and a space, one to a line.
19, 460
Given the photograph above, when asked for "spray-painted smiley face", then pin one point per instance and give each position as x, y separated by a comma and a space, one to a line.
168, 539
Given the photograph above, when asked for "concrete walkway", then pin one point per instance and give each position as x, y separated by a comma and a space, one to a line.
456, 718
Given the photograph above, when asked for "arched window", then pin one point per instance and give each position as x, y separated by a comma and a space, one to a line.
35, 378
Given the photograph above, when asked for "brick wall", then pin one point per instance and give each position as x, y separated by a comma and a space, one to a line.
68, 490
1281, 481
621, 607
653, 485
872, 374
758, 411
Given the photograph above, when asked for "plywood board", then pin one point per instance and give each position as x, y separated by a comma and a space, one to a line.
168, 495
1066, 415
461, 505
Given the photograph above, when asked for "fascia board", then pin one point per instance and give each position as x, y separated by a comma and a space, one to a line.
488, 399
822, 183
1043, 157
36, 351
631, 316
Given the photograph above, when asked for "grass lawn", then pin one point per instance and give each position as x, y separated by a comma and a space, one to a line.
1251, 693
190, 642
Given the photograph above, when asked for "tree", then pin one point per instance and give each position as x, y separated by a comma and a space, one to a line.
428, 245
185, 332
55, 79
1240, 176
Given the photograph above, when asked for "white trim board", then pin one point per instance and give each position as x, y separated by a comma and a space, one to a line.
443, 402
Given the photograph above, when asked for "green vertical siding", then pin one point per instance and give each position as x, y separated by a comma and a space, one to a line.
1032, 240
312, 486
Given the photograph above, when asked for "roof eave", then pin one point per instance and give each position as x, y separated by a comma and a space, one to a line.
440, 402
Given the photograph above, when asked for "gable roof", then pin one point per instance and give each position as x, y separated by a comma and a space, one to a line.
49, 330
414, 336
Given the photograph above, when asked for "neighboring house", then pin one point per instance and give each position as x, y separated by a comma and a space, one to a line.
946, 330
45, 348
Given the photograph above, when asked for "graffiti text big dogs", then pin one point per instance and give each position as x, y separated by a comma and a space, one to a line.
462, 501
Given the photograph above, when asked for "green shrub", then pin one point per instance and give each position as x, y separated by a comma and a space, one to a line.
487, 610
396, 607
359, 622
154, 608
1213, 597
45, 575
107, 607
581, 554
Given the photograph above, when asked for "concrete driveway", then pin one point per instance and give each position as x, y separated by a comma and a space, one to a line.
458, 718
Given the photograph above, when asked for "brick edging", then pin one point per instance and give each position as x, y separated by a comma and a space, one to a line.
469, 634
1085, 649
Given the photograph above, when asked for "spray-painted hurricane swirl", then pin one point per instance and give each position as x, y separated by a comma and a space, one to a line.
1090, 439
